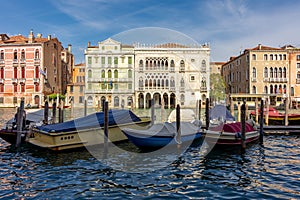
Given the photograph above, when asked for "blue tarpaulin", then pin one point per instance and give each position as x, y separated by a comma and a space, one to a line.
220, 112
95, 120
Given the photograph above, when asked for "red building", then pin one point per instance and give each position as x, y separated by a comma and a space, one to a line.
30, 67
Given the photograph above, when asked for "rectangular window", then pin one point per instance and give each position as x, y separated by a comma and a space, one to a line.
116, 86
129, 86
102, 60
115, 60
15, 100
89, 60
298, 57
81, 98
71, 88
109, 60
298, 65
129, 60
1, 100
81, 88
89, 86
192, 78
96, 59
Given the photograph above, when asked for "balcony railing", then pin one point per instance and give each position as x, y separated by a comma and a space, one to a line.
14, 80
203, 89
253, 79
22, 80
37, 61
36, 80
266, 79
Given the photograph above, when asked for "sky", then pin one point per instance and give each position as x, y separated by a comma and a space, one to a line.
228, 26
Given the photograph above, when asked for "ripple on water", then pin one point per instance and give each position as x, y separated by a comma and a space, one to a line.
272, 171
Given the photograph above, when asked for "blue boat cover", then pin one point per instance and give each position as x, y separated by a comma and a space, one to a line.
95, 120
220, 112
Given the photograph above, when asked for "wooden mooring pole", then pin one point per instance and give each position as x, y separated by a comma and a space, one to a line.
20, 123
207, 113
243, 126
199, 109
178, 136
46, 112
267, 112
85, 107
239, 112
54, 112
152, 112
105, 122
261, 123
256, 110
286, 113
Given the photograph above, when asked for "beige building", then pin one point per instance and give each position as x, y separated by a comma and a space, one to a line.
264, 72
216, 67
77, 86
109, 74
130, 76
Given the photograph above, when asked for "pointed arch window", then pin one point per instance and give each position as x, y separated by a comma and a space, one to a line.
280, 73
116, 75
253, 72
182, 66
109, 75
129, 73
90, 74
23, 54
182, 83
266, 72
253, 90
116, 101
271, 72
275, 72
15, 54
284, 72
37, 54
103, 73
266, 90
2, 55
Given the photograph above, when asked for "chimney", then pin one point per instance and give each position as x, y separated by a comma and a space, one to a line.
89, 43
259, 46
49, 37
39, 35
31, 37
69, 48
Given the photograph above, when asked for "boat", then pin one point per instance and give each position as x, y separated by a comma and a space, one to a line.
31, 117
86, 131
219, 114
277, 118
229, 134
162, 134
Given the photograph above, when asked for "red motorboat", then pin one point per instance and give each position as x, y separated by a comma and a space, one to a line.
277, 118
229, 134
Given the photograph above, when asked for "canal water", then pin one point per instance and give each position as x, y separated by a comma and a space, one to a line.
268, 171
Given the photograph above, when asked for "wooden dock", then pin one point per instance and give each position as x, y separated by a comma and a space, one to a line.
281, 130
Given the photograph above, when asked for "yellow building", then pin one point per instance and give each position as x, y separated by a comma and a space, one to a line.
76, 88
261, 71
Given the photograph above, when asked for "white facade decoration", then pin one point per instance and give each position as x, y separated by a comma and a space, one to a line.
171, 74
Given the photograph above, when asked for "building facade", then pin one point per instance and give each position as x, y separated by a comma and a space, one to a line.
30, 68
109, 74
77, 87
130, 76
267, 71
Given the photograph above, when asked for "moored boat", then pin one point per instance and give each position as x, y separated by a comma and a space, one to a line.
163, 134
277, 118
31, 118
229, 134
86, 131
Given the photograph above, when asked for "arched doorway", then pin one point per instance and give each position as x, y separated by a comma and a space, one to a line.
172, 100
141, 100
157, 100
148, 100
166, 100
